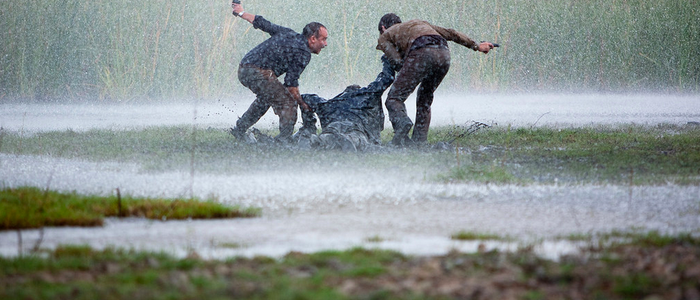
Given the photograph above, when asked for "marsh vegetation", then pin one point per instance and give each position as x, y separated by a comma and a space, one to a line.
121, 51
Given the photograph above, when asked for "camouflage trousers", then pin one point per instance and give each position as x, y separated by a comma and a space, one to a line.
344, 135
270, 92
426, 67
339, 135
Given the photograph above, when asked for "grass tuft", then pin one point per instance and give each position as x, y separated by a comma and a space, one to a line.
29, 207
474, 236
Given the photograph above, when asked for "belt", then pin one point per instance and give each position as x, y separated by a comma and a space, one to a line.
429, 41
250, 66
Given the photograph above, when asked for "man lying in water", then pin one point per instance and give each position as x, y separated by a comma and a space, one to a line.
350, 121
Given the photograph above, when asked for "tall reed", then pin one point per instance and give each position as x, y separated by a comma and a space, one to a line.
123, 50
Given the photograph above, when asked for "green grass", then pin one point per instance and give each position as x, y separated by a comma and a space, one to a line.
623, 271
624, 155
121, 51
375, 239
29, 207
633, 237
166, 148
647, 239
476, 236
119, 274
628, 154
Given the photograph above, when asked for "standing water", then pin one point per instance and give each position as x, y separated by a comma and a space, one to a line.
312, 209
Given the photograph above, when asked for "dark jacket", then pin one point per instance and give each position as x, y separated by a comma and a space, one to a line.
286, 51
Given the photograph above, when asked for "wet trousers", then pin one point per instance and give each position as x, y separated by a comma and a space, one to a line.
426, 67
269, 92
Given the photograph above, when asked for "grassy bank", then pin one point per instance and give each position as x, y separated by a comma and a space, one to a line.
119, 51
625, 154
642, 266
27, 207
628, 154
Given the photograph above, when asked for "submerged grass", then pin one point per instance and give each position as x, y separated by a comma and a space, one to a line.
624, 154
479, 174
214, 151
29, 207
626, 270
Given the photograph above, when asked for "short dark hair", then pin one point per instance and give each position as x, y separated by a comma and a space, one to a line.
387, 21
312, 29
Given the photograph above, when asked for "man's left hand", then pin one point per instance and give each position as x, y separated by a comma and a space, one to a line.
485, 47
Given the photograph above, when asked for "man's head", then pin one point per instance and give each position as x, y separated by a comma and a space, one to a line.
316, 35
387, 21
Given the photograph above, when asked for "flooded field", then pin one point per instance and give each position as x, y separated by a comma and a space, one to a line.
338, 207
516, 110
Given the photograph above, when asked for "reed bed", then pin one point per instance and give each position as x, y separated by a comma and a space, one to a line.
126, 50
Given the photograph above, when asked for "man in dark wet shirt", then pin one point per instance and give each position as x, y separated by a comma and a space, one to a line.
350, 121
285, 52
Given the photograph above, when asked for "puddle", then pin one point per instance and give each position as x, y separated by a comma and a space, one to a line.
405, 213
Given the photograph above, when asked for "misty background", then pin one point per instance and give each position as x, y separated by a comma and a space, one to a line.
122, 51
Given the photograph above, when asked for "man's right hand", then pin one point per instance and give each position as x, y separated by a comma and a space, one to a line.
297, 97
237, 8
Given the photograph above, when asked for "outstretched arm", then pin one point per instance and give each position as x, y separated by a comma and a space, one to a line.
460, 38
384, 79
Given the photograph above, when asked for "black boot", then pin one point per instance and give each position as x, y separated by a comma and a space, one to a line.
237, 133
401, 129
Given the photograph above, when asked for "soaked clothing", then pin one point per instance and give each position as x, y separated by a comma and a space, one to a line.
397, 41
426, 67
354, 119
344, 135
420, 50
269, 93
285, 52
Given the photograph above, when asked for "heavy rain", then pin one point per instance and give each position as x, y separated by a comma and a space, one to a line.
98, 68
